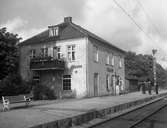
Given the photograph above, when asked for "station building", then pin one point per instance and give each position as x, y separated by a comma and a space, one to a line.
73, 62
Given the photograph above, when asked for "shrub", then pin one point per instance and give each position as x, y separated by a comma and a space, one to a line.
42, 92
13, 85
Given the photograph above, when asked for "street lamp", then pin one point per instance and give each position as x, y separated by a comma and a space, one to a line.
154, 51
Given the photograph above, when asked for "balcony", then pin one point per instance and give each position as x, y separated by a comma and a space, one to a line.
46, 63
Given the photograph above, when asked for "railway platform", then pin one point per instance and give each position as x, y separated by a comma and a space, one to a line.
74, 112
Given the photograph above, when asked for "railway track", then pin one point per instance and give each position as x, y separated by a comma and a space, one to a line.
161, 106
135, 117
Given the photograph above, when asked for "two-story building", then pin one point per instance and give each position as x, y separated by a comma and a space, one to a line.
73, 62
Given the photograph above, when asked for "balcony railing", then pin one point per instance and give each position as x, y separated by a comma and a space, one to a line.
46, 63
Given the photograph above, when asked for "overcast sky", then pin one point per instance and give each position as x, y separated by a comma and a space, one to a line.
102, 17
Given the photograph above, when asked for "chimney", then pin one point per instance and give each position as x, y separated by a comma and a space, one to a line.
68, 19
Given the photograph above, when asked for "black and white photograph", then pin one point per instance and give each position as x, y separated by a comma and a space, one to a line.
83, 64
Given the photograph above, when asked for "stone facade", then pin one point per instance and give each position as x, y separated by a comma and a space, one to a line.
103, 69
87, 77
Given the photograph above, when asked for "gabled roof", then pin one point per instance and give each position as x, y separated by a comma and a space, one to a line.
78, 31
90, 34
41, 37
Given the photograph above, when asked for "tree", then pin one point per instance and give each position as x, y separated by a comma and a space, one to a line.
141, 66
10, 80
8, 53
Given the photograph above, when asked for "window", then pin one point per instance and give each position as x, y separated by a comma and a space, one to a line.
50, 52
95, 54
56, 31
71, 52
67, 82
96, 84
36, 76
56, 53
44, 52
53, 31
121, 84
112, 60
107, 59
107, 83
120, 62
33, 52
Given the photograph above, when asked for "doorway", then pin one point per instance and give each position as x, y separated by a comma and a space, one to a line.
96, 83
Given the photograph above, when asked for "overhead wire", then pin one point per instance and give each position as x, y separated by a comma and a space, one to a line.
148, 17
132, 19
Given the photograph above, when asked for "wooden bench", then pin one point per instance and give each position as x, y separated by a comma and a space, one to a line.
7, 100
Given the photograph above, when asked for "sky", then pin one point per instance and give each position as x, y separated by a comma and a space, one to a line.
102, 17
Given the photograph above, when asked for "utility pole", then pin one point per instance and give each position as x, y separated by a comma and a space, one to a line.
154, 51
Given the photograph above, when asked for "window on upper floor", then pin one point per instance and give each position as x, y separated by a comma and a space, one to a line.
107, 59
32, 53
44, 52
120, 62
112, 59
53, 31
50, 52
95, 54
59, 53
56, 52
71, 51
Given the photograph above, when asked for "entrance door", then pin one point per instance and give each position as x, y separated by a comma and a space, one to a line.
96, 82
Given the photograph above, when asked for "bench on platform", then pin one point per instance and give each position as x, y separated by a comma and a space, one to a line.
7, 100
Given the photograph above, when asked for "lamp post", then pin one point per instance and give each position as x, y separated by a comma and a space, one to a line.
154, 51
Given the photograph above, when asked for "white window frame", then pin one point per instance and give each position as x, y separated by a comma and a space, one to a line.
33, 53
58, 52
66, 78
71, 52
112, 59
120, 62
50, 52
56, 31
53, 31
45, 51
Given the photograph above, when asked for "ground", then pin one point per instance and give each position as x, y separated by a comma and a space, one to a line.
42, 112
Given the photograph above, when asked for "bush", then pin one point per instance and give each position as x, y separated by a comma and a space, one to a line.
41, 92
13, 85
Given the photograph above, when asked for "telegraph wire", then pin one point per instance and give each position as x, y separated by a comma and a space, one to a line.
148, 17
126, 13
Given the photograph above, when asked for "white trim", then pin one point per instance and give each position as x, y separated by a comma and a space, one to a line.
112, 60
69, 78
71, 51
107, 59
